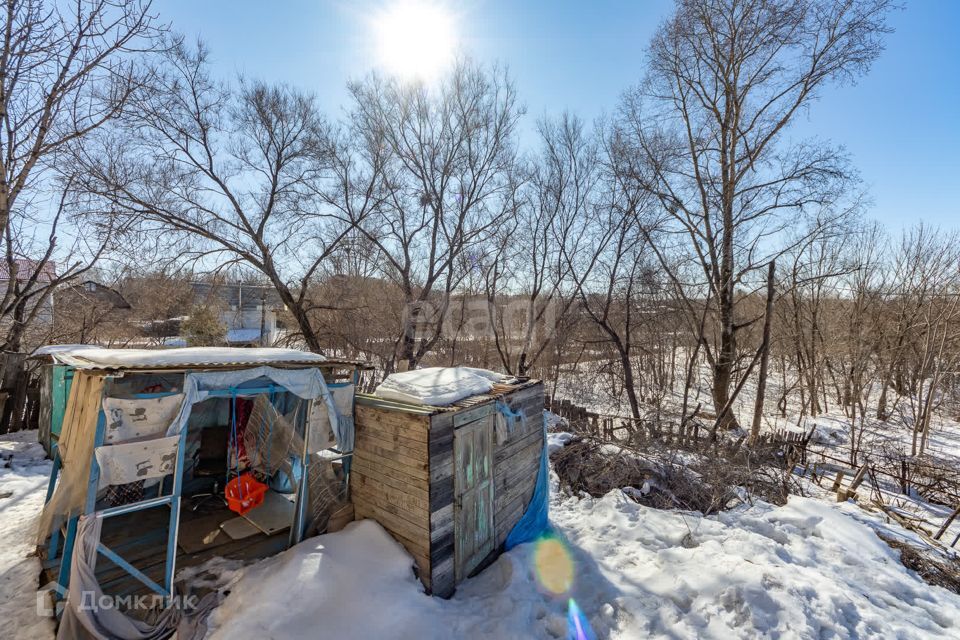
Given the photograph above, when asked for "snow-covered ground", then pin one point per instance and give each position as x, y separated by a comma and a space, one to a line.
24, 472
806, 570
599, 392
612, 569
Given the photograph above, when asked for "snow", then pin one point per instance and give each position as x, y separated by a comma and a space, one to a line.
552, 421
802, 570
558, 440
243, 335
437, 386
24, 472
98, 357
807, 569
54, 349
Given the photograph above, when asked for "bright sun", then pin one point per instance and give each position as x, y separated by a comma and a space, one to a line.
415, 38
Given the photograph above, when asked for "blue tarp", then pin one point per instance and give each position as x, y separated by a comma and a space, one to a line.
536, 519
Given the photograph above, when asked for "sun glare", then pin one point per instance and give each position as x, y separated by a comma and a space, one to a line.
415, 39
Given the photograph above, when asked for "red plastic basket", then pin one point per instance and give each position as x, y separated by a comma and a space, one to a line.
244, 493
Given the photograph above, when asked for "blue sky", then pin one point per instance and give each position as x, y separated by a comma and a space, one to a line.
900, 123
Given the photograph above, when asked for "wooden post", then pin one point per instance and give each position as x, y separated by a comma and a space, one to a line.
947, 523
838, 482
851, 491
858, 479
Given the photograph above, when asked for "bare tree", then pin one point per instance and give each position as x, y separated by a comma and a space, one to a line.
726, 80
527, 278
66, 70
449, 180
235, 175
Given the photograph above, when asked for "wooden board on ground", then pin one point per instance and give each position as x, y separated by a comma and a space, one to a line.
203, 533
239, 528
274, 515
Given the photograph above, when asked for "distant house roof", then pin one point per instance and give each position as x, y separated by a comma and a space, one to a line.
237, 295
25, 268
91, 290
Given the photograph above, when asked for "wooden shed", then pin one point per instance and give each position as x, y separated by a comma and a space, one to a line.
449, 483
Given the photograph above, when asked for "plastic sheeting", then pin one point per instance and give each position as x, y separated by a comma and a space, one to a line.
321, 435
89, 615
536, 518
305, 383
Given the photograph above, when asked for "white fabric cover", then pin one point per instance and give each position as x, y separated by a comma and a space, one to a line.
321, 435
131, 461
81, 621
305, 383
437, 386
139, 418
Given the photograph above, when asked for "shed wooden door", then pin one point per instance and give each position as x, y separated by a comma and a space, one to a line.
473, 491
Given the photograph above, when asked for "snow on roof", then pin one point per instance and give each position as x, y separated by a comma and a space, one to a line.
53, 349
437, 386
98, 358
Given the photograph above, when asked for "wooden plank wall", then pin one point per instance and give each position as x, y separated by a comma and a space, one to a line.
389, 478
442, 582
517, 461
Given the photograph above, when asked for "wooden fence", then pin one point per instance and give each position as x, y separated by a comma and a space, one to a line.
656, 428
19, 393
937, 481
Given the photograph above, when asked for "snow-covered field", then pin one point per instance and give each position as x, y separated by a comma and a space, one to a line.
613, 569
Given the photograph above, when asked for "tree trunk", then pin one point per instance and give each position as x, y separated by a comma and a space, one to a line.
723, 369
764, 357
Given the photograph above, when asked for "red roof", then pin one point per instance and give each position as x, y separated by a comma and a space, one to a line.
25, 269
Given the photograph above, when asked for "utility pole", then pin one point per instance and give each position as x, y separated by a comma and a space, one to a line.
263, 317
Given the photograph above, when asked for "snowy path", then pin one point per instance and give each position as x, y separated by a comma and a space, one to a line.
23, 473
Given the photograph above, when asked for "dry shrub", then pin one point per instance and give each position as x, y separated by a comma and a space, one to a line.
935, 479
932, 567
704, 481
586, 465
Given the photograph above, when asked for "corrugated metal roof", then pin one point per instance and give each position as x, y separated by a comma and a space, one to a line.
189, 358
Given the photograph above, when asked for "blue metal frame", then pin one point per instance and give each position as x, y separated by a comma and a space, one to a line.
161, 394
53, 547
172, 500
132, 570
174, 529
